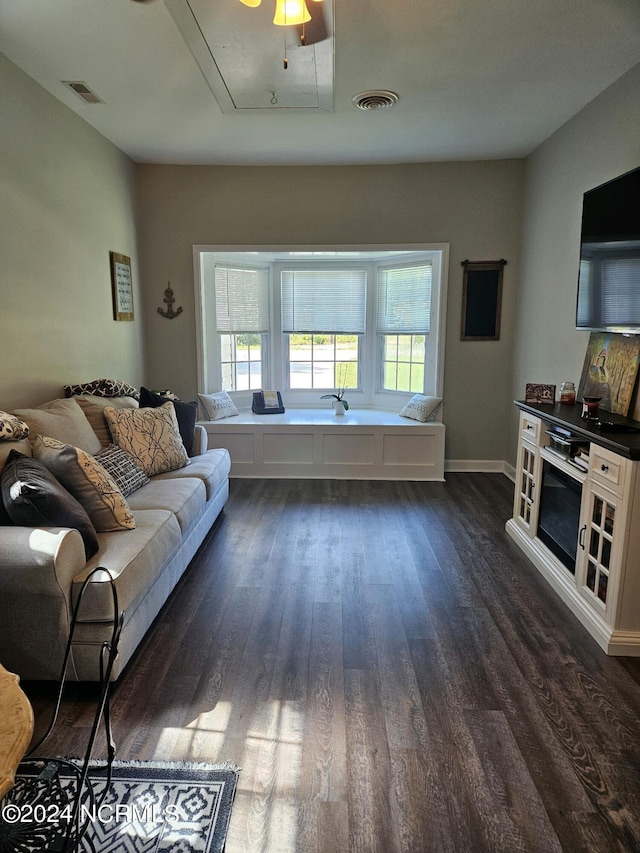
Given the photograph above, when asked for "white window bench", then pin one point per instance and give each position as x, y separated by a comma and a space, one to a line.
364, 444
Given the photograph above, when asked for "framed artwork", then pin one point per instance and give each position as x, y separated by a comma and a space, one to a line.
121, 286
609, 370
481, 300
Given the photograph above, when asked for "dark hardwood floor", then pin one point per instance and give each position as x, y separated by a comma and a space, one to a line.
391, 674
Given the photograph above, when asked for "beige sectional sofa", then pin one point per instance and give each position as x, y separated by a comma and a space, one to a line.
42, 568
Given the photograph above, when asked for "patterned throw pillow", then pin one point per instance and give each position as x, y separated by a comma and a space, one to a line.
218, 405
33, 497
186, 413
102, 388
88, 482
122, 468
151, 436
421, 407
12, 428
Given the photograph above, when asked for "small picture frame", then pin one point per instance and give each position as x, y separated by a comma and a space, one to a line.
536, 392
481, 300
121, 286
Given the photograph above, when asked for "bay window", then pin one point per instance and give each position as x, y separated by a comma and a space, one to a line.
308, 323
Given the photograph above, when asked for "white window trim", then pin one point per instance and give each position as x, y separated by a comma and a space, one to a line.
208, 376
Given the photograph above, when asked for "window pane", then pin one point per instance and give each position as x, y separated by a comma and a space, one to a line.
403, 367
323, 361
241, 362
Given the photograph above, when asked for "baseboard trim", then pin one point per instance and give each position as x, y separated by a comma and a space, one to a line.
476, 466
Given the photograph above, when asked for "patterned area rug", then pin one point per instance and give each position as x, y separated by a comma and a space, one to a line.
149, 808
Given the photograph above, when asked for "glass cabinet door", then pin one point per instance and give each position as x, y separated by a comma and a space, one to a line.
598, 543
525, 509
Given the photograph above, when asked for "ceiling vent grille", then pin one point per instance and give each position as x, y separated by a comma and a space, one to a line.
376, 99
82, 91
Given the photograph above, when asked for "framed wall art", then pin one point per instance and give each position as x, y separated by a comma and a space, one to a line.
481, 300
121, 286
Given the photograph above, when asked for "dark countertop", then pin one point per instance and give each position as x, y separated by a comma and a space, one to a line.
623, 443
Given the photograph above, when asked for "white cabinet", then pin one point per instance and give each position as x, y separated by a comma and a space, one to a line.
602, 587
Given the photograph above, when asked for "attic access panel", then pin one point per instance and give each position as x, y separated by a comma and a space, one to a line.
240, 53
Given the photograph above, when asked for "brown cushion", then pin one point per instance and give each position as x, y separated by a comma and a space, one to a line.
93, 408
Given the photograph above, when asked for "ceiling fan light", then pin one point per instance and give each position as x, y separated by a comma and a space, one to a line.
253, 3
291, 12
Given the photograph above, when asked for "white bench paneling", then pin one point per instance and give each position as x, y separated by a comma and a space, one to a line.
364, 444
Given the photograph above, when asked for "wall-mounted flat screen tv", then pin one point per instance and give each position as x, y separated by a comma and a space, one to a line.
609, 279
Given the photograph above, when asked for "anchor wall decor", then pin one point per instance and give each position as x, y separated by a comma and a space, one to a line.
169, 299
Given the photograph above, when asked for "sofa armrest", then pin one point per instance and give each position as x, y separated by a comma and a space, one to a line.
37, 567
200, 441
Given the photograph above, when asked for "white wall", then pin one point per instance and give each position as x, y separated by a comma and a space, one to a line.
475, 207
67, 200
599, 143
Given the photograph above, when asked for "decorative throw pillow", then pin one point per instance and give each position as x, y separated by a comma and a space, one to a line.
122, 468
64, 420
12, 428
33, 497
93, 408
151, 436
421, 407
218, 405
186, 413
89, 483
102, 388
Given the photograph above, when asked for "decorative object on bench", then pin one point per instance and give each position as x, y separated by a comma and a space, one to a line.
421, 408
218, 405
169, 299
340, 405
267, 403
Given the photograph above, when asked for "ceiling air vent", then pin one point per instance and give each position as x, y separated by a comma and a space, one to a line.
376, 99
82, 91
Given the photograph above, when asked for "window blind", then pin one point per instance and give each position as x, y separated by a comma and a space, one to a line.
404, 300
242, 300
620, 298
329, 301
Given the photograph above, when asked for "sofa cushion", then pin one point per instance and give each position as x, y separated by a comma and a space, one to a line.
85, 478
212, 468
185, 498
186, 414
61, 419
151, 436
102, 388
12, 428
33, 497
123, 468
93, 408
134, 559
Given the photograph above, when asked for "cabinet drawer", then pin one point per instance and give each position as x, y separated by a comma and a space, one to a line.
607, 467
530, 427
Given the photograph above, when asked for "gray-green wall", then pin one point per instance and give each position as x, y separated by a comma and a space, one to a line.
67, 200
